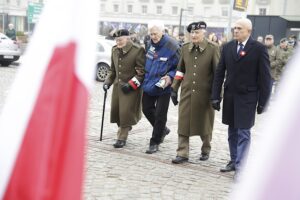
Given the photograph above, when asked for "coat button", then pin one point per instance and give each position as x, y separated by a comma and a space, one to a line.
119, 80
196, 58
119, 72
195, 65
193, 90
194, 74
194, 82
120, 58
120, 65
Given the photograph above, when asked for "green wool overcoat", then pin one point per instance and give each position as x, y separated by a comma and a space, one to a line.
197, 64
126, 64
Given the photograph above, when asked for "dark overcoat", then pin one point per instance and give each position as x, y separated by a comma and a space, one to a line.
126, 64
247, 82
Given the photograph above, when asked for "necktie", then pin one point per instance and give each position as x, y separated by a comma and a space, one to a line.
241, 47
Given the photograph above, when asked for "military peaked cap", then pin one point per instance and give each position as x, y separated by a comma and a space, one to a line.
121, 32
196, 26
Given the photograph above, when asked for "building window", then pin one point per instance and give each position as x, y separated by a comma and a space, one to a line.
190, 10
116, 8
159, 10
174, 10
144, 9
262, 11
224, 11
129, 8
102, 7
207, 11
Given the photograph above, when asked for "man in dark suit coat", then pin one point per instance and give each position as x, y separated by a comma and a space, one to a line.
247, 88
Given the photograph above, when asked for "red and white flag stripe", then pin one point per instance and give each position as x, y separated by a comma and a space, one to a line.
43, 123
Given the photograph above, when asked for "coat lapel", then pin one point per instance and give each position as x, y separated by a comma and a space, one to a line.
234, 51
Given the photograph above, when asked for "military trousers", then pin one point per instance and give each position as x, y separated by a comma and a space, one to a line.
123, 133
184, 145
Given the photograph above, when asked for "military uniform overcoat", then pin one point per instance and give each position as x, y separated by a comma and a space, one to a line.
196, 65
127, 64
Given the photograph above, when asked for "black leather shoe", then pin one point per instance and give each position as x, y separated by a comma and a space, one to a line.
179, 160
204, 157
229, 167
166, 132
119, 144
152, 149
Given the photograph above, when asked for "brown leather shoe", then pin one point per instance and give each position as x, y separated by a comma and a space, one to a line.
229, 167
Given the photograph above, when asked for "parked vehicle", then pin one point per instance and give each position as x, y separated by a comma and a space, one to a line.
9, 50
103, 57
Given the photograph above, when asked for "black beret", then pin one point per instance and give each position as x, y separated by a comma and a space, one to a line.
121, 32
196, 26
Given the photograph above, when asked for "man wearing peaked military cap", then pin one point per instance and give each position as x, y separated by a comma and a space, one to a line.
196, 26
121, 32
195, 72
126, 74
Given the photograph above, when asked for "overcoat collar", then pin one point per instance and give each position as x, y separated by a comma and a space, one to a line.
126, 48
202, 45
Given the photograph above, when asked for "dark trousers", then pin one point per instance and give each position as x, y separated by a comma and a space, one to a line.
239, 142
155, 108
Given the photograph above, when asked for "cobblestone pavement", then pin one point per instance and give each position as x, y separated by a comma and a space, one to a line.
129, 173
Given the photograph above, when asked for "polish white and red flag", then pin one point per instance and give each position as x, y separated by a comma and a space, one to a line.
273, 170
43, 123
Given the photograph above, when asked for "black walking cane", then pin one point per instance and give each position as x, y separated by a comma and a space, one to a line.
105, 94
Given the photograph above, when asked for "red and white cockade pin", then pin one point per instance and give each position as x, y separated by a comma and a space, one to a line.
243, 53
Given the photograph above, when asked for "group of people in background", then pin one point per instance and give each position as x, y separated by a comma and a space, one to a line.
198, 76
278, 55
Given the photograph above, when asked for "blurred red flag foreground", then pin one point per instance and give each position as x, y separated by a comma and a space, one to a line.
43, 124
273, 170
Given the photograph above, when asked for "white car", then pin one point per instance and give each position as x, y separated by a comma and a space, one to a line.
103, 56
9, 50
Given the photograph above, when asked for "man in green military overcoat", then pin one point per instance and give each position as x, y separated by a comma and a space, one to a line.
126, 74
195, 71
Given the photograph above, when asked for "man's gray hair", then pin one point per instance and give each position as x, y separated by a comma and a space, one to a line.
158, 24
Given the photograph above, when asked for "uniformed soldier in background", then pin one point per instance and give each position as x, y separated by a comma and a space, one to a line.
126, 74
195, 71
274, 57
286, 54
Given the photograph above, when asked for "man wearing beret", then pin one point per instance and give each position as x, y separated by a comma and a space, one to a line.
245, 67
126, 74
195, 72
161, 61
286, 54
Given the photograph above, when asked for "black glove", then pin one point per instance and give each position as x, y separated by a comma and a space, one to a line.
106, 86
260, 109
216, 104
174, 97
126, 88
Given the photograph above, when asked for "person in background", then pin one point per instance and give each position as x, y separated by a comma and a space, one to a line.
260, 39
11, 32
286, 54
161, 61
244, 69
110, 34
181, 38
134, 38
274, 57
195, 72
126, 74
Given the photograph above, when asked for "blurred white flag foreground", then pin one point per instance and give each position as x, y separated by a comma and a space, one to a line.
43, 124
273, 171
